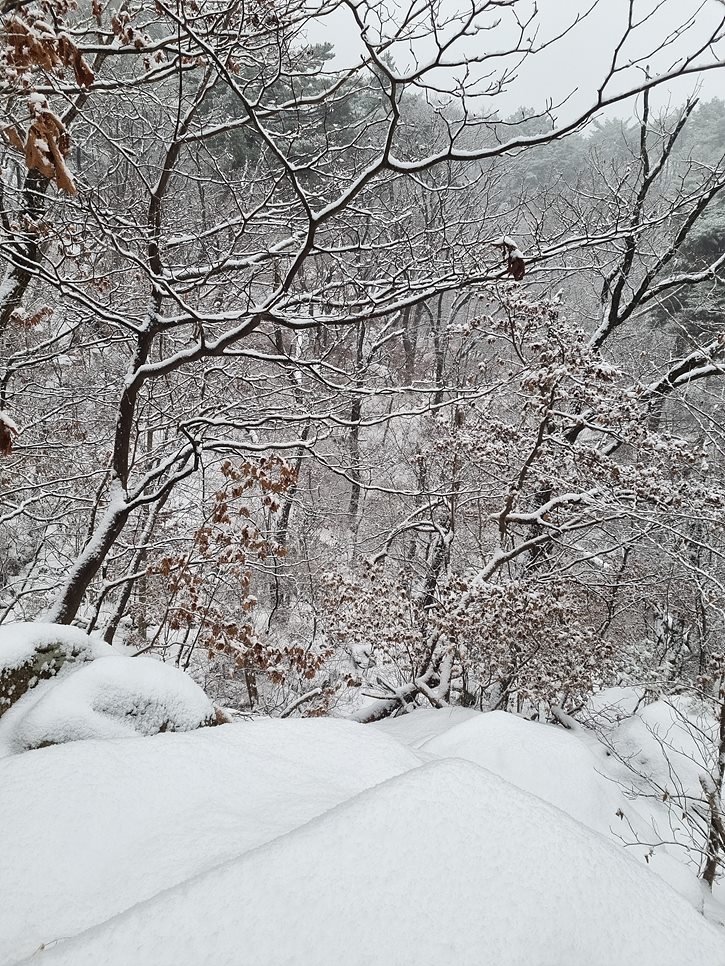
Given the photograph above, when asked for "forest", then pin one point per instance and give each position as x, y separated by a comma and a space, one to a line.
356, 385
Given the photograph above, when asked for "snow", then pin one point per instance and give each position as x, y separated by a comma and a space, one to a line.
5, 417
505, 241
443, 836
32, 653
594, 782
107, 699
90, 828
572, 772
57, 684
670, 736
445, 864
539, 758
20, 642
415, 729
666, 745
660, 756
612, 705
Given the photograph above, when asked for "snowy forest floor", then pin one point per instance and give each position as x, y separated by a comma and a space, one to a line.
446, 837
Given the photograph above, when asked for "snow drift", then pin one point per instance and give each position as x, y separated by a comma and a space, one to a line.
446, 837
92, 827
446, 864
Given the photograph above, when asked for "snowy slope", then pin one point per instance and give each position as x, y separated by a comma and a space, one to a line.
445, 865
571, 771
90, 828
417, 728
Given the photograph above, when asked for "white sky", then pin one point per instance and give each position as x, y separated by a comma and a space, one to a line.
576, 65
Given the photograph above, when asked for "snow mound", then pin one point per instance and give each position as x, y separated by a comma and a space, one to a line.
445, 865
611, 705
30, 653
110, 699
90, 828
568, 770
669, 743
540, 758
417, 727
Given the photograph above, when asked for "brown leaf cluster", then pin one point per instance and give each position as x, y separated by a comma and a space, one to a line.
33, 44
46, 146
7, 435
225, 546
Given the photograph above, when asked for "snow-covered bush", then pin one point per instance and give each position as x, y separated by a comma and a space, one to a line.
513, 645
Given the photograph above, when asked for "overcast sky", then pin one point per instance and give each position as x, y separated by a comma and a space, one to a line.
577, 63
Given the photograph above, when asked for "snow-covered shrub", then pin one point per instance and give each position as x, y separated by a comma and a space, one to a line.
206, 592
511, 644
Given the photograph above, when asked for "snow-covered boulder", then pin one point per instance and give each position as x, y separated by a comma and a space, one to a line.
59, 684
115, 698
34, 652
444, 865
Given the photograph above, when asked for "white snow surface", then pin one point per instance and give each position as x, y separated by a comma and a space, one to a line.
90, 828
418, 728
571, 771
19, 642
326, 842
667, 742
611, 705
445, 864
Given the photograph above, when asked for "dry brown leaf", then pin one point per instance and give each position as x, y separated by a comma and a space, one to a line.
8, 432
13, 138
47, 147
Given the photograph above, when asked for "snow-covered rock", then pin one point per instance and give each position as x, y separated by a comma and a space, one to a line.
34, 652
90, 828
669, 743
445, 865
419, 727
611, 705
57, 684
111, 699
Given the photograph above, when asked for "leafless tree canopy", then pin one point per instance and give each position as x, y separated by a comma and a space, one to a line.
329, 378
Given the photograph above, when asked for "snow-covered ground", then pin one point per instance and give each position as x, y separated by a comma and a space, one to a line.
444, 837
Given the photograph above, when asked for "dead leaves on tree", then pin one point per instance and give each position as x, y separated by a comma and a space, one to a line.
29, 44
46, 146
32, 43
8, 432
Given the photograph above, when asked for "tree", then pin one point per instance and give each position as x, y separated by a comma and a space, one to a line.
249, 252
